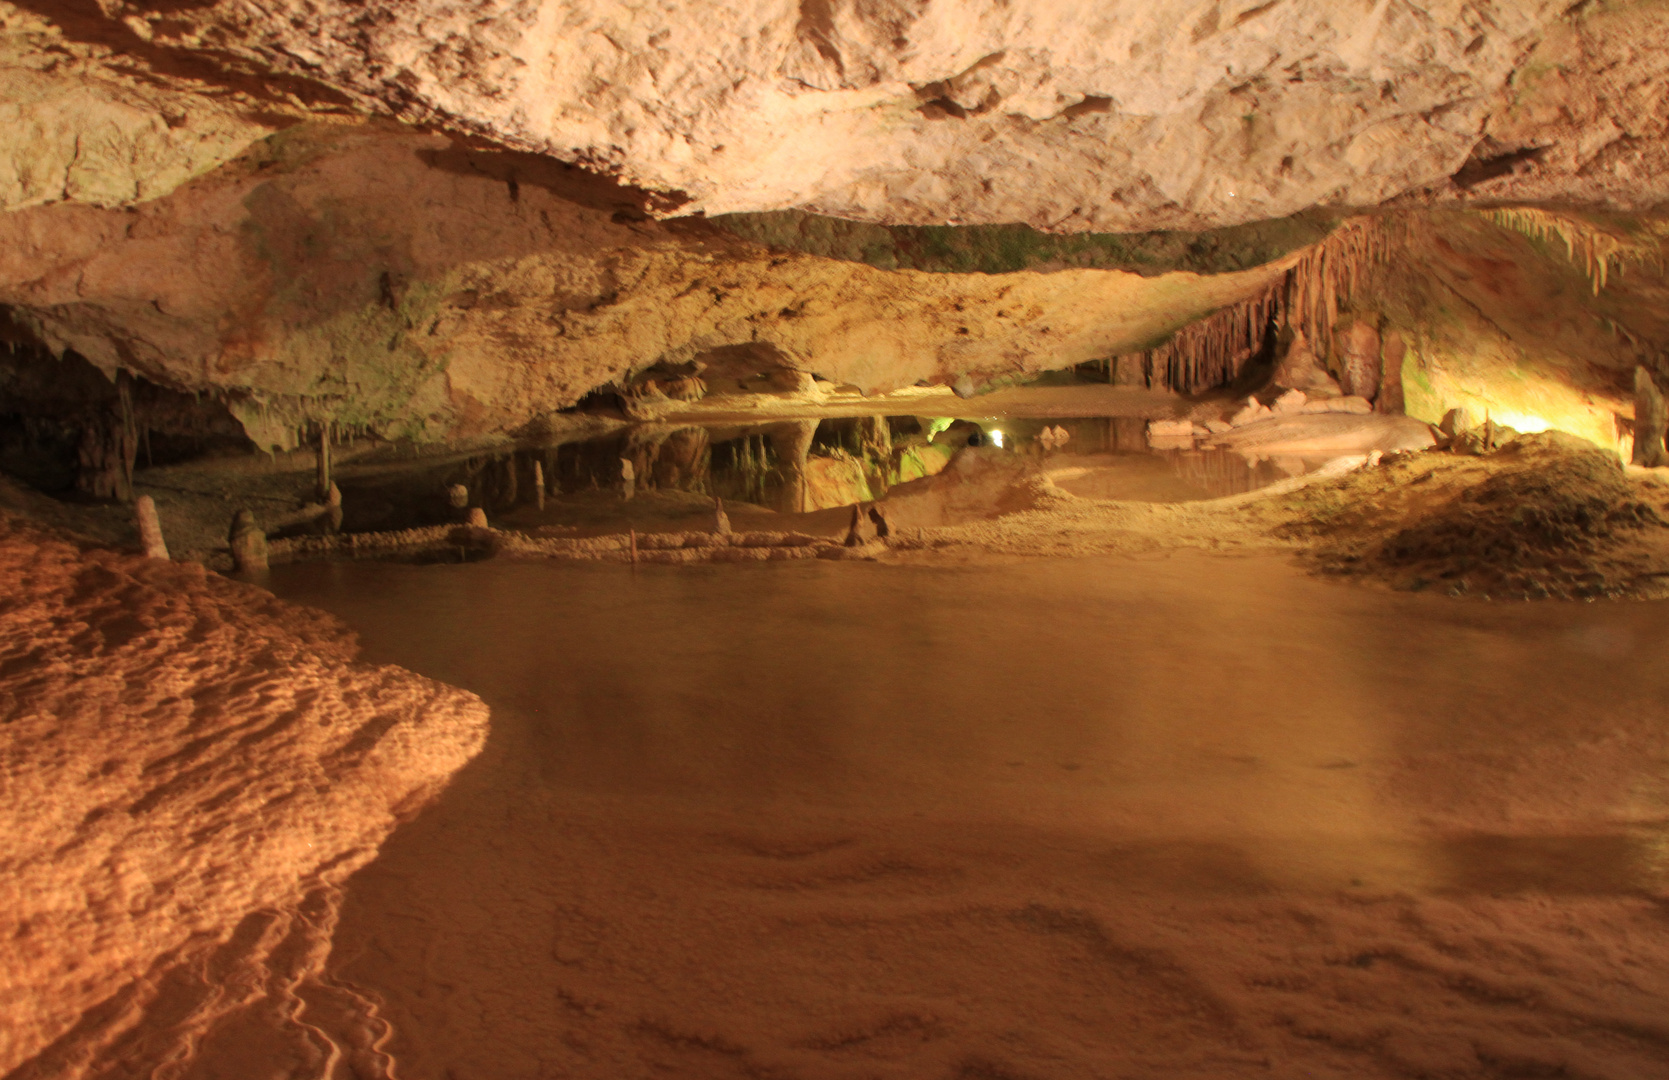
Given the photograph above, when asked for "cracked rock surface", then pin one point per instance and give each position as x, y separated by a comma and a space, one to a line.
1064, 114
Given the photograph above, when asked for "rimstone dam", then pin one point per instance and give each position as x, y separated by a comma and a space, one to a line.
834, 539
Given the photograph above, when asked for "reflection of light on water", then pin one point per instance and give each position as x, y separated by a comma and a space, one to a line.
1523, 423
996, 437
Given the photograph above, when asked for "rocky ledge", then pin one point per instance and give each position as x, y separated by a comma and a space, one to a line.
191, 767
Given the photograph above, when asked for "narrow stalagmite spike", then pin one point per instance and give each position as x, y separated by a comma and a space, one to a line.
150, 528
538, 484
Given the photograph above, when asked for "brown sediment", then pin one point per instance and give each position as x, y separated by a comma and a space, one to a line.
1545, 515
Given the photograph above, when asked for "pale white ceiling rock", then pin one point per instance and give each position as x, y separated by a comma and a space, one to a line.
1111, 115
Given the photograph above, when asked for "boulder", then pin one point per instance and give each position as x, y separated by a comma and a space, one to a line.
1250, 413
1292, 401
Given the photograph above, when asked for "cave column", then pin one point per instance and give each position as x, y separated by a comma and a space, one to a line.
322, 483
1650, 421
792, 441
150, 528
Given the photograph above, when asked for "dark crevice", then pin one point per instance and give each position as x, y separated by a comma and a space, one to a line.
1478, 170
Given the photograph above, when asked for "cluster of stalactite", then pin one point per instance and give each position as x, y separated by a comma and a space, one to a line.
1596, 251
1213, 351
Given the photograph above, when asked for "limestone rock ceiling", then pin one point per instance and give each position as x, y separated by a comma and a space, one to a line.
1110, 115
381, 277
370, 212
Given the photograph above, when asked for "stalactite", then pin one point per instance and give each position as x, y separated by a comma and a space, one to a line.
1213, 351
1598, 252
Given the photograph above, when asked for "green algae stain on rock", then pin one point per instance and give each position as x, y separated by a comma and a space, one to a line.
1002, 249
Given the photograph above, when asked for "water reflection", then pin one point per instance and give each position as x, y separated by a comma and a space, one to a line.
793, 466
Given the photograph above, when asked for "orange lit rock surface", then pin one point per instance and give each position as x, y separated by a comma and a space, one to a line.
190, 766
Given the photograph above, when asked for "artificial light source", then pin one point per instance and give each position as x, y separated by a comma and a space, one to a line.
996, 438
1523, 423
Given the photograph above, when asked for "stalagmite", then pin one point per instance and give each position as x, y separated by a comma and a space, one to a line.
150, 528
538, 485
1358, 349
477, 518
248, 543
879, 520
628, 478
854, 533
1392, 352
332, 517
1650, 421
323, 484
511, 489
721, 520
1298, 369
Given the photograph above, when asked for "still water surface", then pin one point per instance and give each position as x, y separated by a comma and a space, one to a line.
710, 788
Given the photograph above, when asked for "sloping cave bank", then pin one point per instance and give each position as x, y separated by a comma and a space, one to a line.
152, 883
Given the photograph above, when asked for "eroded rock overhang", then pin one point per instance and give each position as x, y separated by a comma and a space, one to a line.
375, 276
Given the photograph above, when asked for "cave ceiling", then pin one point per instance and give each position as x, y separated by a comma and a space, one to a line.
442, 218
1066, 115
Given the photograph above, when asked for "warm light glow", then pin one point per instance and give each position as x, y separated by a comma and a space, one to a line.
996, 438
1523, 423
